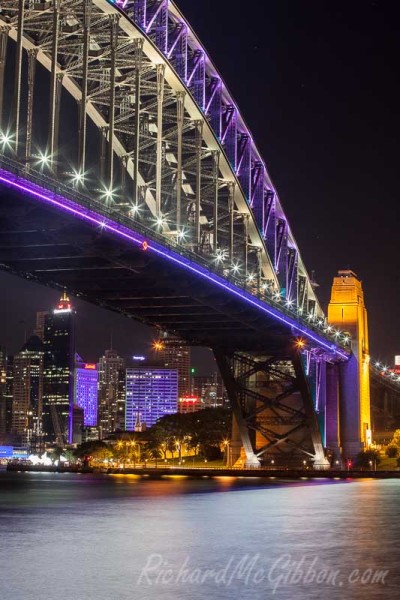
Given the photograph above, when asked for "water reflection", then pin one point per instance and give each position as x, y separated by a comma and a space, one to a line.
93, 537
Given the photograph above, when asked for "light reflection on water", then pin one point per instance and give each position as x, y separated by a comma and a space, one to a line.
89, 537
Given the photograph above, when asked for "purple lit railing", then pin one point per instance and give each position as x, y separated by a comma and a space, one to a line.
52, 192
162, 21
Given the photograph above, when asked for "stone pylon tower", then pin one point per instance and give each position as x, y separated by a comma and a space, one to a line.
349, 415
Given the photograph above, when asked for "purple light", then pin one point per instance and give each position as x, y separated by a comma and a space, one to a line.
121, 3
140, 240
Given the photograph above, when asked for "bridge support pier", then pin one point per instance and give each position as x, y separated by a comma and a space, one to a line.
347, 312
273, 411
332, 414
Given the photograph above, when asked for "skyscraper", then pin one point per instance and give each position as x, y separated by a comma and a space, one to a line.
40, 323
9, 393
151, 393
27, 403
59, 363
111, 415
174, 353
86, 392
210, 389
3, 388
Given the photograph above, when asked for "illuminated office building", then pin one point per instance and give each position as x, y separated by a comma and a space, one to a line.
59, 364
151, 393
86, 392
3, 391
174, 353
111, 401
27, 405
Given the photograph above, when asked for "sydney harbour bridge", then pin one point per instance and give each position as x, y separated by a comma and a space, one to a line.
129, 177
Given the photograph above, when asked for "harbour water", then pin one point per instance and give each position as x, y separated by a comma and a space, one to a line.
102, 537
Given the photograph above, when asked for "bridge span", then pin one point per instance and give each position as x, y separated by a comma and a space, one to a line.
129, 177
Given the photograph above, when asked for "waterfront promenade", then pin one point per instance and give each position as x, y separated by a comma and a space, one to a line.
201, 472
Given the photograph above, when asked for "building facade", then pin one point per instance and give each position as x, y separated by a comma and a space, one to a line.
190, 404
27, 405
174, 353
3, 391
86, 392
111, 399
59, 364
151, 393
210, 389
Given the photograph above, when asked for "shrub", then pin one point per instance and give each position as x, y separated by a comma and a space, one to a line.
392, 451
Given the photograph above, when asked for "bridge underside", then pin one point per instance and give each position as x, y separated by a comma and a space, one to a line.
257, 355
58, 250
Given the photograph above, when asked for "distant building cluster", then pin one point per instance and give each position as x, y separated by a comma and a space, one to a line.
49, 395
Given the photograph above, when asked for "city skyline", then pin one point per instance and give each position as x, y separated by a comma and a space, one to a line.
330, 147
127, 336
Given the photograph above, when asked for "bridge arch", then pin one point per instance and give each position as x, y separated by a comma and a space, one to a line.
179, 178
210, 164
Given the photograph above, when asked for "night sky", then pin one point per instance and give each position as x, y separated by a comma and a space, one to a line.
317, 82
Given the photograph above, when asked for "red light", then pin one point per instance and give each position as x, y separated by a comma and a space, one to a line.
145, 246
90, 366
189, 399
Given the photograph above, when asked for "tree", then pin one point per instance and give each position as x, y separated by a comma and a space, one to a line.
102, 454
88, 448
396, 438
392, 451
368, 459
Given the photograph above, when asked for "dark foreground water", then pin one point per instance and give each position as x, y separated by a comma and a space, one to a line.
88, 537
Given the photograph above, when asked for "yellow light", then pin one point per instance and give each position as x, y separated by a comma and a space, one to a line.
158, 346
300, 343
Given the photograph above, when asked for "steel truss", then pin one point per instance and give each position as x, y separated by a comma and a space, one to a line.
273, 409
172, 148
139, 120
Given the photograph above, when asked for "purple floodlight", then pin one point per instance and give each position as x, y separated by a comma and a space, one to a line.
147, 244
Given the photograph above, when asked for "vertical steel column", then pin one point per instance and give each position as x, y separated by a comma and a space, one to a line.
3, 55
32, 55
320, 461
216, 155
198, 144
259, 269
246, 243
231, 208
159, 157
59, 80
111, 118
180, 113
229, 377
51, 143
103, 139
123, 161
87, 13
138, 81
18, 72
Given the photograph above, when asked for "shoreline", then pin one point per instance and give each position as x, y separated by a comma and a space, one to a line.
198, 473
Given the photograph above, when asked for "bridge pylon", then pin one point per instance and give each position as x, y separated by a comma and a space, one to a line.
274, 420
348, 390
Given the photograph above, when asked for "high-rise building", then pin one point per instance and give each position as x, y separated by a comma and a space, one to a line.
210, 389
27, 403
40, 324
190, 404
151, 393
174, 353
9, 393
111, 400
59, 364
3, 389
86, 392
